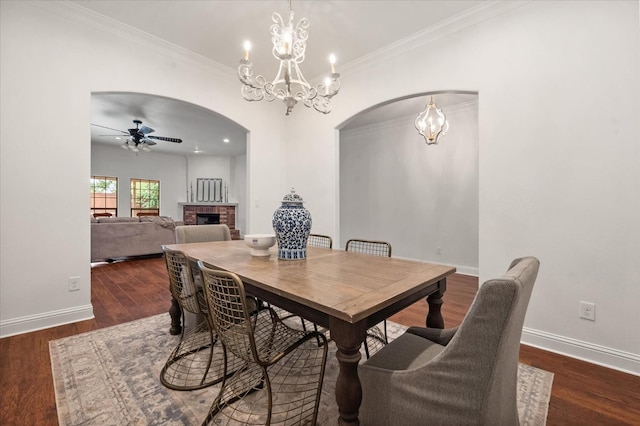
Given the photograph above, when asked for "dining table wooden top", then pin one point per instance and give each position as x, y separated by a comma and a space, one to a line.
345, 285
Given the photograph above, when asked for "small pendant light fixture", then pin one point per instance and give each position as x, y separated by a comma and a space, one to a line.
432, 124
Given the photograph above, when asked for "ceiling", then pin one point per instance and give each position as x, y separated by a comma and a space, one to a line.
199, 128
350, 29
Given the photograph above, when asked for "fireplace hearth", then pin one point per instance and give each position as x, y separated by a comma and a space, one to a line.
211, 213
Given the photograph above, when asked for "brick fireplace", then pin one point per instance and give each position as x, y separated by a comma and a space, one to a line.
225, 213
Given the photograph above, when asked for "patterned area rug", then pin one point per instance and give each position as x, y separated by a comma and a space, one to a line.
111, 377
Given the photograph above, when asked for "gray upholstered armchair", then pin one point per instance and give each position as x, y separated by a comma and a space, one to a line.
463, 376
202, 233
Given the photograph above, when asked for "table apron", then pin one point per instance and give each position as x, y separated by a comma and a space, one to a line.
322, 318
306, 312
439, 286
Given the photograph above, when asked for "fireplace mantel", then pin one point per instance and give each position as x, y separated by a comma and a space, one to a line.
227, 212
208, 204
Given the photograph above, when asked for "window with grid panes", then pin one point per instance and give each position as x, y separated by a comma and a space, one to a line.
145, 197
104, 195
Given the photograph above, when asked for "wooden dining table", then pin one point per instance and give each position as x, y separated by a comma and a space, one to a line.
346, 292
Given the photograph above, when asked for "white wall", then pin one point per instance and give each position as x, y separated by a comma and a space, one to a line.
421, 199
54, 55
207, 166
558, 87
170, 170
238, 191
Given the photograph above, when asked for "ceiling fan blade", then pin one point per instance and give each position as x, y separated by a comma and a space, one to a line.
105, 127
145, 130
162, 138
147, 141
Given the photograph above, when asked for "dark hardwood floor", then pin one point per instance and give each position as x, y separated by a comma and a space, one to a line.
583, 393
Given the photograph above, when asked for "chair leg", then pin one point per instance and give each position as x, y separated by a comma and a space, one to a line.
315, 328
378, 339
366, 348
386, 337
176, 315
189, 365
287, 392
241, 384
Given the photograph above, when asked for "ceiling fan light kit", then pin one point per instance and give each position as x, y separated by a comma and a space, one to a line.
140, 138
289, 85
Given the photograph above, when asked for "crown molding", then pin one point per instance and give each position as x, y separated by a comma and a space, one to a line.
104, 24
482, 12
473, 16
379, 126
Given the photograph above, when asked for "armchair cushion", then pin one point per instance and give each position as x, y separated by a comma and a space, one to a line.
410, 352
437, 335
202, 233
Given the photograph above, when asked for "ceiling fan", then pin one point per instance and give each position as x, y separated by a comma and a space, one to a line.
139, 136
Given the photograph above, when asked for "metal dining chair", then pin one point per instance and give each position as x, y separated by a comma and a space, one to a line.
197, 361
377, 337
197, 234
319, 240
376, 248
281, 380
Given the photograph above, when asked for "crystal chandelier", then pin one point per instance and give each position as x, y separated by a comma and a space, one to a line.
432, 124
289, 85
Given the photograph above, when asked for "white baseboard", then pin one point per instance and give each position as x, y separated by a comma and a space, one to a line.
467, 270
601, 355
460, 269
44, 320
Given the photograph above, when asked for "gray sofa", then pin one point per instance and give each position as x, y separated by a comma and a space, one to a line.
116, 237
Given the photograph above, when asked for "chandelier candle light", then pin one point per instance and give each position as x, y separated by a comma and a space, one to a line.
432, 124
289, 85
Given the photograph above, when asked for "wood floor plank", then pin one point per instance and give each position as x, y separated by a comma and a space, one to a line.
582, 393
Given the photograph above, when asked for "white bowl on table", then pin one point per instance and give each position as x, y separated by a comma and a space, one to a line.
260, 243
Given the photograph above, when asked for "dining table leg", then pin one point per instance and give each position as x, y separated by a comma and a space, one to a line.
348, 339
175, 312
434, 300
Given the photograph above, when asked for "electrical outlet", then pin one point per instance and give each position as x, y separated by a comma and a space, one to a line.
588, 311
74, 283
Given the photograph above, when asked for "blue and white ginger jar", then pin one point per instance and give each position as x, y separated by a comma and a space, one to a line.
292, 224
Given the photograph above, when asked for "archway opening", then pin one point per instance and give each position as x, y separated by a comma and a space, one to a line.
393, 187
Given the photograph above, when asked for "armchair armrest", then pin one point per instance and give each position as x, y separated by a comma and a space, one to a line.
437, 335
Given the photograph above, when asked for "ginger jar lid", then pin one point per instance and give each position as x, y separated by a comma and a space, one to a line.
292, 198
